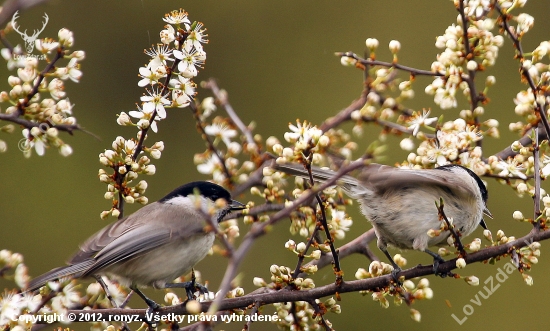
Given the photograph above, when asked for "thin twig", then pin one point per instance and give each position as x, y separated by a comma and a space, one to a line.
210, 144
474, 97
319, 312
344, 114
451, 227
222, 98
254, 311
370, 62
324, 222
105, 288
301, 255
211, 221
537, 174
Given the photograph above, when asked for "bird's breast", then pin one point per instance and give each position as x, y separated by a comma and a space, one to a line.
163, 264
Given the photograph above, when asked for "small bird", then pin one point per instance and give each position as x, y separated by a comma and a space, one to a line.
400, 203
153, 246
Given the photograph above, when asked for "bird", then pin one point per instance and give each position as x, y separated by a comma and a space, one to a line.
399, 202
154, 245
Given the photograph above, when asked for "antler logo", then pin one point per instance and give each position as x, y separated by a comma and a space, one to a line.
29, 40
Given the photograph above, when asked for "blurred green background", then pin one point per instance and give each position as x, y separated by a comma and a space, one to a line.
275, 58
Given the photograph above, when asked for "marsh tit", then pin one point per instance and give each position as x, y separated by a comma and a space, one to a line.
400, 203
153, 246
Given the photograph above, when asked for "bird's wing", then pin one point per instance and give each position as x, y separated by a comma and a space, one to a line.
319, 174
103, 237
129, 245
146, 229
382, 178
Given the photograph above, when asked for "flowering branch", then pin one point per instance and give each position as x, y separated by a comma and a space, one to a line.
332, 289
210, 144
371, 62
524, 71
41, 119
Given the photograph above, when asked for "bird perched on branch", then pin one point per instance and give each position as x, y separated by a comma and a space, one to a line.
400, 202
154, 245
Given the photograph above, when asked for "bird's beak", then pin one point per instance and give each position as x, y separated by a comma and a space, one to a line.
487, 213
236, 205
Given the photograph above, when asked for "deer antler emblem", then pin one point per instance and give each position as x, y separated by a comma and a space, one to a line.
29, 40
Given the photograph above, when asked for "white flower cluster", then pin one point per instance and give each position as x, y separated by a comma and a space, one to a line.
12, 304
340, 223
455, 141
308, 141
181, 43
306, 315
126, 170
453, 62
44, 115
209, 163
167, 85
421, 291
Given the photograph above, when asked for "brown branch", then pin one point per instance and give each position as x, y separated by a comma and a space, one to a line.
525, 141
537, 174
30, 124
474, 97
456, 235
319, 312
331, 289
301, 255
254, 211
344, 114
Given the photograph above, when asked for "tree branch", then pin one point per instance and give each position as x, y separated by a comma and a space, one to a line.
284, 295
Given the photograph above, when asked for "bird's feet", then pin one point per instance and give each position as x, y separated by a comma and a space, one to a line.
395, 275
190, 288
151, 307
437, 261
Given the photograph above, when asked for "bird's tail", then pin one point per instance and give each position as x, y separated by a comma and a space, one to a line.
348, 183
74, 271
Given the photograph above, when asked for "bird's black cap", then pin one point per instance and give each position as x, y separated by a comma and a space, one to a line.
208, 190
482, 188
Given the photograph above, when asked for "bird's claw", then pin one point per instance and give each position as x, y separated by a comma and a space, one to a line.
152, 306
190, 288
395, 275
437, 261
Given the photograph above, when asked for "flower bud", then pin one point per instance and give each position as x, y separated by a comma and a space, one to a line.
461, 263
472, 280
518, 216
395, 46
